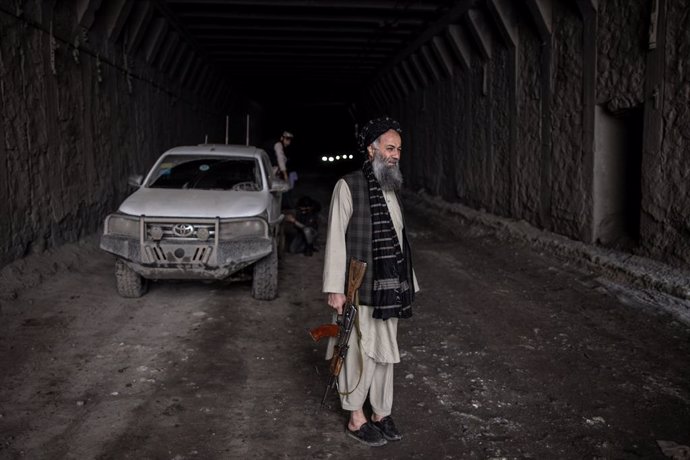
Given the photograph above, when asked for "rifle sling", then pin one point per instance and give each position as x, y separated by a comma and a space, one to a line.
355, 303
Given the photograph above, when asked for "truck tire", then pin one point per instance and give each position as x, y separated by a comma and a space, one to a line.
281, 241
265, 279
130, 284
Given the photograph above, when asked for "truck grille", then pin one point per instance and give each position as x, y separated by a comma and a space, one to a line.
178, 254
169, 233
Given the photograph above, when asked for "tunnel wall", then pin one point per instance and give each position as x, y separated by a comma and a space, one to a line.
458, 137
78, 117
665, 222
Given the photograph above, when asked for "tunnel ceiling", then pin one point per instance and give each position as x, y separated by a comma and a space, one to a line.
313, 52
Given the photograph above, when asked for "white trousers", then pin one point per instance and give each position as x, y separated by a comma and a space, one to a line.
361, 376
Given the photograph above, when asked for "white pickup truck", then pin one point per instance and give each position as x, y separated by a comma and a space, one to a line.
202, 212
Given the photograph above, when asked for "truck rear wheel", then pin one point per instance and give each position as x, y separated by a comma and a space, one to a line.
130, 284
265, 280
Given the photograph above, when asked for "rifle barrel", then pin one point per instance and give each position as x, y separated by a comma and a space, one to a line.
331, 380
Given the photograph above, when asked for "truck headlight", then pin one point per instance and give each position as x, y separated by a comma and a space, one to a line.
243, 229
122, 226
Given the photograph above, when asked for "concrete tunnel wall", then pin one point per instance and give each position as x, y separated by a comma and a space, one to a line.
82, 110
510, 127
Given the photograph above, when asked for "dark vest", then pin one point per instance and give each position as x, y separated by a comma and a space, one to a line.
358, 235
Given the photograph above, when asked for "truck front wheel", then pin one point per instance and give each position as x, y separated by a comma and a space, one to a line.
129, 283
265, 280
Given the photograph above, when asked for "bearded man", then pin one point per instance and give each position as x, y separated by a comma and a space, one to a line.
366, 222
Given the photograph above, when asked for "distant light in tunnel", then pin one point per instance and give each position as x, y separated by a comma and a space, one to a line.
337, 157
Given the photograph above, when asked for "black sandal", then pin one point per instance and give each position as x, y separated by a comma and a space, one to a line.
368, 434
388, 429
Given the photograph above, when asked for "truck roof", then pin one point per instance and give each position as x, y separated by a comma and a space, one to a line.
216, 149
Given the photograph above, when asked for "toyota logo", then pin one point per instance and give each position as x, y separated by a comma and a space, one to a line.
183, 230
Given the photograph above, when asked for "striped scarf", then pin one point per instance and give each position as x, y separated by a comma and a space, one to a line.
391, 296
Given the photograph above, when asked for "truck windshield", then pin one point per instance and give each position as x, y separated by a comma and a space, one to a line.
207, 173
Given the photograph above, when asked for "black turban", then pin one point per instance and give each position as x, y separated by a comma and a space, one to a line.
374, 128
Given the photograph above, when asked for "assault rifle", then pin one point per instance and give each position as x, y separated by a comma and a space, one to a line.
342, 329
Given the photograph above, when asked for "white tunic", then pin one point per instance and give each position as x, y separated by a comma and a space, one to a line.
280, 156
379, 338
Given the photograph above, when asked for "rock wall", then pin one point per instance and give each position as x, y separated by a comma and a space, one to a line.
527, 174
621, 40
77, 117
665, 226
458, 143
567, 181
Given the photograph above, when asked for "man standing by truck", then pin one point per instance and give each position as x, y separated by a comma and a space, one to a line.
366, 222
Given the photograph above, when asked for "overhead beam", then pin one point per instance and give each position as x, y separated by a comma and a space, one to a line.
313, 45
86, 12
311, 4
541, 12
397, 74
214, 83
263, 28
435, 29
588, 4
217, 93
481, 32
441, 52
204, 78
194, 72
320, 18
428, 59
200, 78
181, 52
376, 89
118, 18
249, 67
172, 39
236, 68
392, 87
407, 69
388, 95
155, 38
460, 45
294, 36
138, 25
395, 87
505, 17
297, 53
186, 67
376, 96
419, 68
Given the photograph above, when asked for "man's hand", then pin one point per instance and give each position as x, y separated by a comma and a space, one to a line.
336, 301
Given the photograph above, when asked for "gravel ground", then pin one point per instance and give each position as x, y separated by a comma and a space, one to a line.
514, 352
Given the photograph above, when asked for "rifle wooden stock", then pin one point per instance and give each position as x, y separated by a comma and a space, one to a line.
325, 330
354, 279
344, 325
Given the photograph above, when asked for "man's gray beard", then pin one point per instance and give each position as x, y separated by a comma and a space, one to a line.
389, 177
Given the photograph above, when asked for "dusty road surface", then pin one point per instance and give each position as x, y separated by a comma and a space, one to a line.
510, 354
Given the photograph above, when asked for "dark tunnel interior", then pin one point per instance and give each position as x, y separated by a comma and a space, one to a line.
541, 204
307, 63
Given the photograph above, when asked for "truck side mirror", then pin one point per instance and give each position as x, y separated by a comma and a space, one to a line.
135, 180
279, 185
